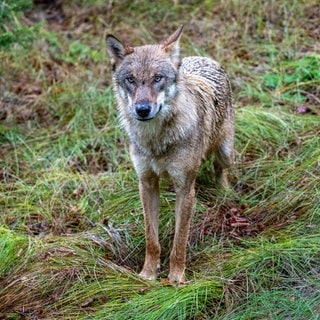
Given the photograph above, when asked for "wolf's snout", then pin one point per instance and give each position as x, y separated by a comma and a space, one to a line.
143, 109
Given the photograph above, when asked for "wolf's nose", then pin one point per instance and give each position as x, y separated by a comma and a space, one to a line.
143, 109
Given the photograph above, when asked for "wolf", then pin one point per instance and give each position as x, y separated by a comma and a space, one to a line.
176, 114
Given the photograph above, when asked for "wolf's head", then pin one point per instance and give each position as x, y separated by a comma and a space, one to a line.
145, 77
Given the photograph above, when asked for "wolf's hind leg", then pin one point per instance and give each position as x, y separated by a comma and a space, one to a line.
224, 158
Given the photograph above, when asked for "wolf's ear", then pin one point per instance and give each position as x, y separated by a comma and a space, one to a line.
171, 45
116, 49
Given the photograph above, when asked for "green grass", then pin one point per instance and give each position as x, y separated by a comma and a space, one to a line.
72, 235
14, 251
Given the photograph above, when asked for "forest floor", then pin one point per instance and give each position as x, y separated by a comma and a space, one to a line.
71, 223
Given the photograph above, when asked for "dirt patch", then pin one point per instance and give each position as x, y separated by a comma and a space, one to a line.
227, 221
311, 22
22, 107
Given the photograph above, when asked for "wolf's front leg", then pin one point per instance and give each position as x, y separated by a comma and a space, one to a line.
183, 212
149, 194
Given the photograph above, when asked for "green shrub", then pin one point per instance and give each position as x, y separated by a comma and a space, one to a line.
11, 30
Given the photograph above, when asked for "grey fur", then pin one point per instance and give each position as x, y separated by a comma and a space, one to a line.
188, 115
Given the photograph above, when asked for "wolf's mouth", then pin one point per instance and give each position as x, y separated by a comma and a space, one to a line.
142, 119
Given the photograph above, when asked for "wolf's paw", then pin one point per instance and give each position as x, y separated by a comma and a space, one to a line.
148, 275
177, 277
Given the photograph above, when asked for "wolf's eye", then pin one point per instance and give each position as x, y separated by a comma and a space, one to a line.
157, 78
130, 79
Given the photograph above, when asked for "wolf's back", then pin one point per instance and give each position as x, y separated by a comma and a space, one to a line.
213, 73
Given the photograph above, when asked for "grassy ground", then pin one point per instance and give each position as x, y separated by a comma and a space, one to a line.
71, 234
